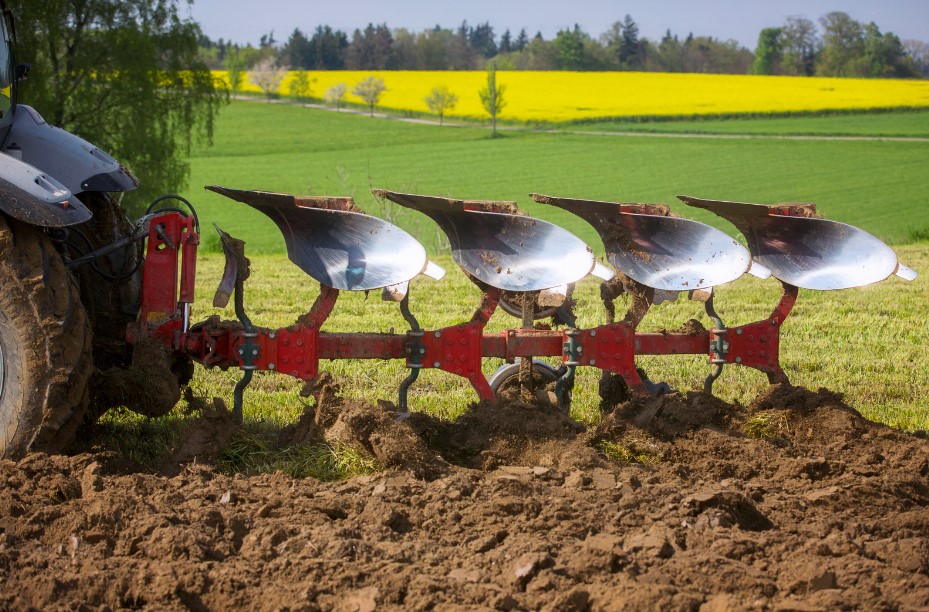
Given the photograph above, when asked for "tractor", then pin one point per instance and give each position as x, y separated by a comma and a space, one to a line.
70, 272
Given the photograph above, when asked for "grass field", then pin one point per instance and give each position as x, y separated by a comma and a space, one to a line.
899, 125
878, 186
868, 343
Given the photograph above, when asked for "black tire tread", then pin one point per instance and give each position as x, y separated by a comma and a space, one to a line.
41, 301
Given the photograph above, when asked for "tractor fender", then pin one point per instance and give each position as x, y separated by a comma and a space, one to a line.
74, 162
30, 195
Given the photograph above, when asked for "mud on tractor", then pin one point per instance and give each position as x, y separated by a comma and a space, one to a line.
85, 291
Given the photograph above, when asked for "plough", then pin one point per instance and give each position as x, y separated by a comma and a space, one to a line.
524, 264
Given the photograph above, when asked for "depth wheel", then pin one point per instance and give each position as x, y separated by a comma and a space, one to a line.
45, 345
505, 381
510, 305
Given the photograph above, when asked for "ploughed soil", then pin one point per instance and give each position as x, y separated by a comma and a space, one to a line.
512, 507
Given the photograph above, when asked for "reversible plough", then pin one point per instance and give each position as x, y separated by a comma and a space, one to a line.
525, 265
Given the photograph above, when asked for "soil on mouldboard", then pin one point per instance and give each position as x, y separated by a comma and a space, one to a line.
510, 507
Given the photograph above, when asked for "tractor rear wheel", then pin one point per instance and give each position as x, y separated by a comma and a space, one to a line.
45, 344
111, 285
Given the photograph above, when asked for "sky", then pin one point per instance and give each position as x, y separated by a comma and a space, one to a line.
244, 21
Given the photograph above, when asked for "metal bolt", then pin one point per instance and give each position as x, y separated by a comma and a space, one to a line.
254, 352
272, 335
438, 334
738, 332
271, 366
593, 362
738, 360
437, 365
593, 333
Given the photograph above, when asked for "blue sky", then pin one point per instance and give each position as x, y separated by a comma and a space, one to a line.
246, 20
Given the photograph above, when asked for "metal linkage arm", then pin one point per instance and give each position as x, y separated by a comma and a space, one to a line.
171, 253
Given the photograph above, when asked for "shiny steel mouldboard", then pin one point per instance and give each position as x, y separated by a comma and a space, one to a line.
659, 251
335, 243
504, 250
805, 251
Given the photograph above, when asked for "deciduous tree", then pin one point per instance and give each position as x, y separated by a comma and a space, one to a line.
301, 85
843, 47
492, 95
124, 74
768, 52
918, 51
799, 44
267, 75
234, 69
440, 100
370, 90
335, 95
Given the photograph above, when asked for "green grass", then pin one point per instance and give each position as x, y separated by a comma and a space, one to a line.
626, 453
878, 186
251, 453
766, 425
868, 343
901, 124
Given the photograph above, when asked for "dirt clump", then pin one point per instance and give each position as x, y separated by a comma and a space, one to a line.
149, 386
204, 441
792, 502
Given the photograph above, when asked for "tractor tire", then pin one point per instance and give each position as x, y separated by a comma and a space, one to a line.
148, 383
111, 304
45, 340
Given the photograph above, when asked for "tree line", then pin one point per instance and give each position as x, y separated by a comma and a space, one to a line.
840, 46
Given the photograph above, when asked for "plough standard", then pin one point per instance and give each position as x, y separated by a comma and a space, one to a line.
525, 265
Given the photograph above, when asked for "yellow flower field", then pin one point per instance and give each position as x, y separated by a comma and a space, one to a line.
564, 96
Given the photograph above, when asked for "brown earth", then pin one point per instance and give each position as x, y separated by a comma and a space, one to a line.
510, 507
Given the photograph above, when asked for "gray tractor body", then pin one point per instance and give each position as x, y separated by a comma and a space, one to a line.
43, 168
74, 162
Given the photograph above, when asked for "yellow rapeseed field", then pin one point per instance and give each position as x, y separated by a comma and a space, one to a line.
565, 96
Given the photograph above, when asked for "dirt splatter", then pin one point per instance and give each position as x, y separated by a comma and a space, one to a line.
816, 509
149, 386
